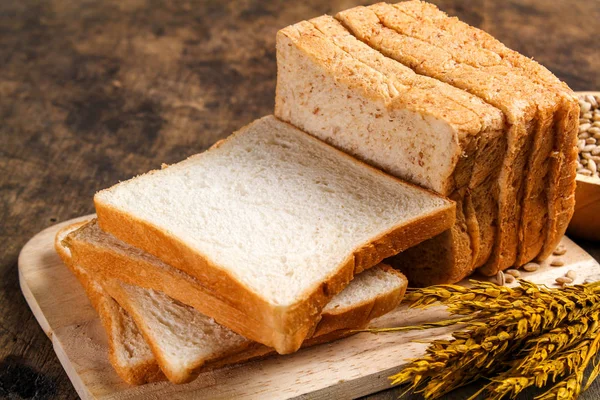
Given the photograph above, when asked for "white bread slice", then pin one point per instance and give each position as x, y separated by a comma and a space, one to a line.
340, 90
128, 352
274, 223
528, 106
186, 342
554, 155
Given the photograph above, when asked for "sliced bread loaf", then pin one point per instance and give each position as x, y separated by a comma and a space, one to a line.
274, 223
128, 352
528, 106
341, 90
555, 154
186, 342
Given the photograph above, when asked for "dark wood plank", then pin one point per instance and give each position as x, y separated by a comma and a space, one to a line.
96, 91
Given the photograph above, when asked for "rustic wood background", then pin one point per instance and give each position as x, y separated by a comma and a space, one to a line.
95, 91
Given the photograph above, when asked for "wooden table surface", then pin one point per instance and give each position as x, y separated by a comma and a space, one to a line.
95, 91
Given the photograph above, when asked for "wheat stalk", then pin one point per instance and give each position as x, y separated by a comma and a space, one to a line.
519, 337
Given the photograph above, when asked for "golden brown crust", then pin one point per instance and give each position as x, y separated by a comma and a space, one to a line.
520, 174
283, 328
561, 196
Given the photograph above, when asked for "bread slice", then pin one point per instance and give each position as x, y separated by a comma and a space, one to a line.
186, 342
527, 106
128, 352
340, 90
274, 223
554, 155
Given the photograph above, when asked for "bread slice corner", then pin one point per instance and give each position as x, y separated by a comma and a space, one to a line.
128, 353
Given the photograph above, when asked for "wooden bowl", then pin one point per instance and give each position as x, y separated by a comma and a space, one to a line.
586, 218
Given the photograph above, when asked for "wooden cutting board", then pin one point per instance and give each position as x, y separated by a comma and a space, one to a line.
352, 367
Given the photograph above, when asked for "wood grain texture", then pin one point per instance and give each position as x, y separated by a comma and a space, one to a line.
92, 92
355, 366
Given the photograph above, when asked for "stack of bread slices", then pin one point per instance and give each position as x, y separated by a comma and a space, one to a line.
444, 105
274, 238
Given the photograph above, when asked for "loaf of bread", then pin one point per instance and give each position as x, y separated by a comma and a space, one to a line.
274, 223
357, 82
350, 95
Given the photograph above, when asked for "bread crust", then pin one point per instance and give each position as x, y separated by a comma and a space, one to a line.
283, 328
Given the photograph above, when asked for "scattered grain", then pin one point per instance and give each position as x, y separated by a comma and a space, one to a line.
563, 279
500, 279
557, 262
531, 267
560, 250
513, 272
